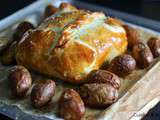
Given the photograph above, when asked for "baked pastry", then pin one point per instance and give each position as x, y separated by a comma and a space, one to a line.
71, 43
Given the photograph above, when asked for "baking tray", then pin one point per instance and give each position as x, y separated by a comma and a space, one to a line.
37, 8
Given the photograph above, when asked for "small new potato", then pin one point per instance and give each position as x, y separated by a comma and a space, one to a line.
21, 81
7, 55
5, 41
98, 95
103, 76
133, 36
50, 10
142, 55
122, 65
42, 93
21, 29
154, 45
71, 105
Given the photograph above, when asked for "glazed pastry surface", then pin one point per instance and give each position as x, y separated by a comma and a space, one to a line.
71, 43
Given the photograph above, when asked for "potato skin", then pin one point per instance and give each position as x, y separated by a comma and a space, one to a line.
71, 105
7, 55
21, 29
98, 95
154, 45
20, 81
133, 36
50, 10
103, 76
122, 65
142, 55
42, 93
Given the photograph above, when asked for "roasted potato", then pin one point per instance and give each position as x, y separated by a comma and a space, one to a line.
122, 65
71, 105
98, 94
133, 36
50, 10
7, 55
42, 93
142, 55
103, 76
21, 29
154, 45
4, 42
21, 80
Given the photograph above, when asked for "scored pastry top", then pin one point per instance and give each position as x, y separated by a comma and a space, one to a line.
71, 43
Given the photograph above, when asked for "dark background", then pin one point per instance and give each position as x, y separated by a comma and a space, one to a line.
146, 8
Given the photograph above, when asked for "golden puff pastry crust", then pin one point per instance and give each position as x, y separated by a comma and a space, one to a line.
70, 44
